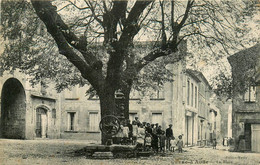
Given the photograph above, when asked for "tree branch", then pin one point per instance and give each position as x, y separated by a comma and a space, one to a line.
189, 6
131, 24
164, 37
92, 8
47, 13
130, 30
151, 57
72, 4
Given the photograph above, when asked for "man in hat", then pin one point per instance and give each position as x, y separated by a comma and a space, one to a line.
169, 136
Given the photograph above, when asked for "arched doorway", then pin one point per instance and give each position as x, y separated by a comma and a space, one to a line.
13, 110
41, 122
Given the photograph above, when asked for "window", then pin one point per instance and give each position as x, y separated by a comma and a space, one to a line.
157, 118
93, 121
71, 121
132, 116
54, 113
196, 97
188, 93
250, 94
192, 94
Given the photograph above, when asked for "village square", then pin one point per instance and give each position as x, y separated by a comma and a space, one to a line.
129, 82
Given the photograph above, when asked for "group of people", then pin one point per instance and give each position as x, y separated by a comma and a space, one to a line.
148, 136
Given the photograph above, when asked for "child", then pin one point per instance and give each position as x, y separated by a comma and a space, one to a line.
173, 144
162, 141
180, 144
119, 135
148, 141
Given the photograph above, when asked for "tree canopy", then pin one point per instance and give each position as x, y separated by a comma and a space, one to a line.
120, 43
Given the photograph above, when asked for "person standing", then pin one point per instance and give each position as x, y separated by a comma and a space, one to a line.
119, 135
180, 144
148, 129
173, 144
125, 133
214, 140
138, 123
140, 135
162, 141
169, 136
130, 134
154, 139
135, 131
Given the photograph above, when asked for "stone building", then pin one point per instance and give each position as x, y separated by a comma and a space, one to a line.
246, 99
40, 112
182, 103
204, 123
27, 112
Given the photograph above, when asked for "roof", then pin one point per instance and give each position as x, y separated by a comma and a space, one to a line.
198, 76
246, 64
250, 56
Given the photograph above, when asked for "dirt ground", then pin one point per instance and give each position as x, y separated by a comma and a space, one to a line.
63, 152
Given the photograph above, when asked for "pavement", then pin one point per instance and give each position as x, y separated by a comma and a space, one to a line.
59, 151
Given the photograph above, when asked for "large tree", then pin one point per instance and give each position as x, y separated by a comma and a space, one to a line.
98, 42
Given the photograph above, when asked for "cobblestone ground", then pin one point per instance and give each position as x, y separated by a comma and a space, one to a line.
61, 152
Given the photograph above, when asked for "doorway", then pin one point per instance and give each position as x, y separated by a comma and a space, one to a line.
13, 110
255, 137
41, 123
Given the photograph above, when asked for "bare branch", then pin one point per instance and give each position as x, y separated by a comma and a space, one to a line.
172, 14
148, 12
92, 8
131, 24
164, 37
55, 26
105, 6
80, 8
189, 6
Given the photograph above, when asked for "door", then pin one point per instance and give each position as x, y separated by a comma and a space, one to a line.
255, 145
248, 137
41, 123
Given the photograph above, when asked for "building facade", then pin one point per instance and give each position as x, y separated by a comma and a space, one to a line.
40, 112
246, 103
28, 112
181, 103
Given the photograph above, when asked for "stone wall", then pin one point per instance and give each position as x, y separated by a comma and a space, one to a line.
19, 104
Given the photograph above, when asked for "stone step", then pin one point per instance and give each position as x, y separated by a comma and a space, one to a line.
103, 155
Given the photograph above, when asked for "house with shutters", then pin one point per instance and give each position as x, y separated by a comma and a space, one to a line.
40, 112
246, 99
184, 103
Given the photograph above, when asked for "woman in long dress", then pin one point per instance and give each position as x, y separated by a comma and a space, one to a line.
140, 135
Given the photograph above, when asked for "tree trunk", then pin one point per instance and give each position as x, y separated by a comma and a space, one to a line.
107, 106
126, 93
